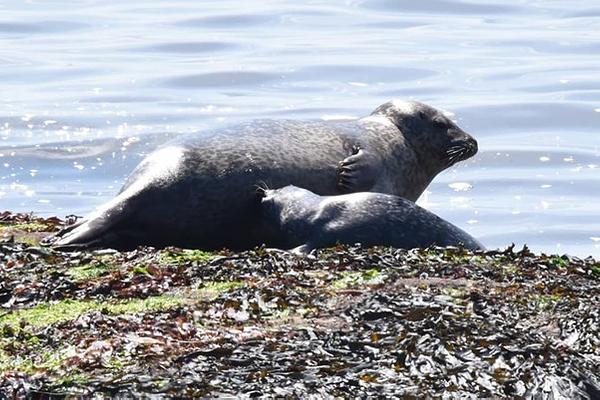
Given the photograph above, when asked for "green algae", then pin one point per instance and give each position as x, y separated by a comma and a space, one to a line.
72, 379
90, 271
150, 304
543, 302
279, 315
28, 240
457, 293
46, 361
141, 270
29, 233
510, 269
26, 227
558, 261
39, 359
48, 314
212, 289
220, 286
353, 279
4, 360
67, 310
184, 256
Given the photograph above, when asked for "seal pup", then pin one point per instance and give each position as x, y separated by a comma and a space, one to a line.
305, 221
199, 190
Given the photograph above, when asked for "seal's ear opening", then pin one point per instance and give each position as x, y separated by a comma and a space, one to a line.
440, 123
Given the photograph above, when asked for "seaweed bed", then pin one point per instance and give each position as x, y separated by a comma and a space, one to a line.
344, 322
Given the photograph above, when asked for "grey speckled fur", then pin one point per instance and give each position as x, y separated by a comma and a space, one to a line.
304, 221
200, 190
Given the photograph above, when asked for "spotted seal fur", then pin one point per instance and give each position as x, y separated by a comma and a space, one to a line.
304, 221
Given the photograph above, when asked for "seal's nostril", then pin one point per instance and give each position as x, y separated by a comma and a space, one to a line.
474, 146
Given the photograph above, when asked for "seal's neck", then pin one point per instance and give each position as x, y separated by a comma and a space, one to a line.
295, 219
414, 173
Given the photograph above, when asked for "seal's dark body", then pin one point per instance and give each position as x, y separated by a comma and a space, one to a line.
305, 221
201, 190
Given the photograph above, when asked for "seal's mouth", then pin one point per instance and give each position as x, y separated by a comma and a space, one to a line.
461, 151
262, 189
266, 198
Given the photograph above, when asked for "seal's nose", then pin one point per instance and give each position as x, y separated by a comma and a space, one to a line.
473, 147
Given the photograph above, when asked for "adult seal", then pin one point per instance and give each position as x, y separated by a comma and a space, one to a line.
304, 221
200, 190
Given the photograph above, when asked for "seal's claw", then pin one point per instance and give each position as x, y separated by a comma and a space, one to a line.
348, 162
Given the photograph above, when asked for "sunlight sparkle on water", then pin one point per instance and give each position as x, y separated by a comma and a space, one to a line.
337, 117
460, 186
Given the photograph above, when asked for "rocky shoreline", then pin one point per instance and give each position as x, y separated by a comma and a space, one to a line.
346, 321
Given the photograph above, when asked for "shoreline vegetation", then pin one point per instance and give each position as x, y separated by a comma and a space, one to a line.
345, 321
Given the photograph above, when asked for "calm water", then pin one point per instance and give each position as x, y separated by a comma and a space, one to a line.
89, 87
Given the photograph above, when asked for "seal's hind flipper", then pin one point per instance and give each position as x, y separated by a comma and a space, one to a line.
51, 239
357, 172
84, 234
92, 231
78, 246
93, 234
303, 250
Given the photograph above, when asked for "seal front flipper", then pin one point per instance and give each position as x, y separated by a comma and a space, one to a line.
357, 172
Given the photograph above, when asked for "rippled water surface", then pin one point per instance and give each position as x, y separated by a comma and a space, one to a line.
89, 87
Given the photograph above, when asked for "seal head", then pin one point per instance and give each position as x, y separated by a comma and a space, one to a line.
437, 141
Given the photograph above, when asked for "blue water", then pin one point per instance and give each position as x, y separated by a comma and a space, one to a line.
89, 87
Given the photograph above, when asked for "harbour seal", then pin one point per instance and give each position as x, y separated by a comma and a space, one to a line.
200, 190
304, 221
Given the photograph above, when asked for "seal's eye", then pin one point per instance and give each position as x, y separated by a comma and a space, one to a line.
439, 123
422, 115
